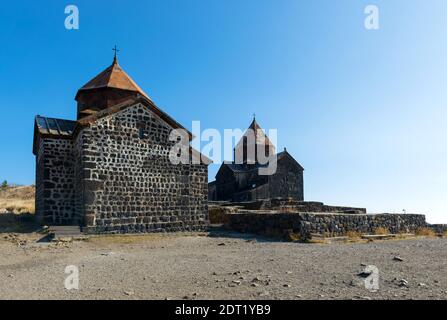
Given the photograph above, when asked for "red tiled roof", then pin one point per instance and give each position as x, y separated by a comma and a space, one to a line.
113, 77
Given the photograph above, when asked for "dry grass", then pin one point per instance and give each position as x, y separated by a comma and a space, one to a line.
353, 235
218, 215
426, 232
381, 231
292, 236
18, 199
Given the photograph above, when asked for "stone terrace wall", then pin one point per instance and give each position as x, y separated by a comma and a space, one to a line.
304, 224
291, 205
438, 228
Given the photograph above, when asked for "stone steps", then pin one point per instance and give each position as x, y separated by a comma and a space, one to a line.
60, 233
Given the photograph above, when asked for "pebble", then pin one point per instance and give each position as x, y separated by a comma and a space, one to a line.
397, 258
422, 284
403, 283
129, 293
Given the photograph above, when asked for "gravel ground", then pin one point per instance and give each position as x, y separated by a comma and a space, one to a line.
219, 266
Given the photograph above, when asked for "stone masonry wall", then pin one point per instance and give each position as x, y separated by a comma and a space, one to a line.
128, 182
39, 198
54, 181
305, 224
291, 205
287, 181
439, 228
79, 208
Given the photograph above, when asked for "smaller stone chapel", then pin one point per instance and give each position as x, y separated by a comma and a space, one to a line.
241, 181
109, 170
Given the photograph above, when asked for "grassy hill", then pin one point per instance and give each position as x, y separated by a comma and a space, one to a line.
17, 199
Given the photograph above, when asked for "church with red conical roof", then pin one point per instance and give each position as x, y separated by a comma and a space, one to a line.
109, 171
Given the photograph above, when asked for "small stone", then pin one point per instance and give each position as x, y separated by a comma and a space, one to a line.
355, 283
129, 293
222, 244
287, 286
362, 298
421, 284
236, 282
255, 284
403, 283
397, 258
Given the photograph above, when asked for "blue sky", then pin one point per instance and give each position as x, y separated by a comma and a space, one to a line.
363, 111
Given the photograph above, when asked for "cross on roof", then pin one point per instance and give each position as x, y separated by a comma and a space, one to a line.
116, 50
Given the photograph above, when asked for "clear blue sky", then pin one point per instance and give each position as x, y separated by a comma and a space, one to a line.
363, 111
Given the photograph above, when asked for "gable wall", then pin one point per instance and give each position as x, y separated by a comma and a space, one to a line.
130, 185
287, 181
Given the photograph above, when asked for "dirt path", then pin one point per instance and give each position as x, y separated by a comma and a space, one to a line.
204, 267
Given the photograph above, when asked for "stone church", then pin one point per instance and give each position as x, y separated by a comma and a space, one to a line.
109, 171
241, 180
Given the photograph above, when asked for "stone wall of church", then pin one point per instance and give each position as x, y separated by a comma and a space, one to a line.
79, 209
40, 168
129, 183
54, 181
287, 181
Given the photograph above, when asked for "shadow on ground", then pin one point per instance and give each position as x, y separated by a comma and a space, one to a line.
18, 223
219, 231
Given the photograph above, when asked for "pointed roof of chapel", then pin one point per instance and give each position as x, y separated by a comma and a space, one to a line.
260, 136
113, 77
